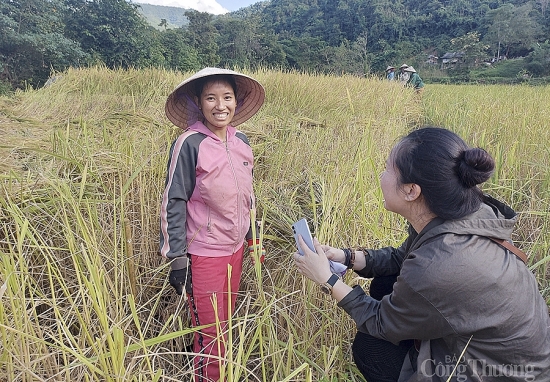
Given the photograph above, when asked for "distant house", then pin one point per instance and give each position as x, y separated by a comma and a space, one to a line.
432, 60
450, 59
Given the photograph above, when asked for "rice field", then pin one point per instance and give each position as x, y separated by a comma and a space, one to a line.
84, 294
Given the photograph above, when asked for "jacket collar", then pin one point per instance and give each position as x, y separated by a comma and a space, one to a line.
492, 219
201, 128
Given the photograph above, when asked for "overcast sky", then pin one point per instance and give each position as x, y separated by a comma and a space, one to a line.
211, 6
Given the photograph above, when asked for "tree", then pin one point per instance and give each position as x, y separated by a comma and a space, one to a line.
163, 23
305, 53
388, 21
474, 50
113, 30
33, 43
202, 35
538, 61
510, 27
237, 40
360, 46
343, 59
244, 42
178, 54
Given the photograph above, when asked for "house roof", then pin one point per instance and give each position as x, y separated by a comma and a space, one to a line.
449, 55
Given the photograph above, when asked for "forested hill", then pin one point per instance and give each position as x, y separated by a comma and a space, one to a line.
389, 20
328, 36
406, 28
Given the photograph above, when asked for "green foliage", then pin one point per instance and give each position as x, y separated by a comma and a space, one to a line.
538, 61
511, 28
357, 37
202, 36
503, 69
245, 43
345, 58
178, 54
5, 88
114, 30
33, 42
474, 50
304, 53
424, 27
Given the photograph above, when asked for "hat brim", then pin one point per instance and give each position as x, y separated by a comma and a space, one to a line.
182, 110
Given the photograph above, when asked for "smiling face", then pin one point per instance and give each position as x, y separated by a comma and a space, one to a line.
217, 103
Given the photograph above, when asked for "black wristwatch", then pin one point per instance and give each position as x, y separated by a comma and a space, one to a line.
327, 287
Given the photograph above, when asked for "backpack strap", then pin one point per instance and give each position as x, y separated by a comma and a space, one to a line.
512, 248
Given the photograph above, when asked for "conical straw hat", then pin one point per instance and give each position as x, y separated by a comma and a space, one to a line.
182, 110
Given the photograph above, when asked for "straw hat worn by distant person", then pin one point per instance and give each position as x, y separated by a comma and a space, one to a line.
414, 80
403, 75
182, 110
390, 73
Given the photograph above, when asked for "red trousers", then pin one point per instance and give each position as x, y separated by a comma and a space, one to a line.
210, 284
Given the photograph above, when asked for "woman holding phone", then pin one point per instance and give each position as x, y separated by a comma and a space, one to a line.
450, 303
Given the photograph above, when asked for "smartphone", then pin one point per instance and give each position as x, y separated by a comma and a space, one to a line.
301, 228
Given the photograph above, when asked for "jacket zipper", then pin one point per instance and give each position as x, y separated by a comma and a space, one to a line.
208, 220
239, 202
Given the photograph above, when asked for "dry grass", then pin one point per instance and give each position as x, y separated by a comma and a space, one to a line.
84, 294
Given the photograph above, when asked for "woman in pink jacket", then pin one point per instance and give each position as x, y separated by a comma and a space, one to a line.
205, 211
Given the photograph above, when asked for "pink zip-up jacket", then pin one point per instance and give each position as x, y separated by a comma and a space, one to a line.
208, 194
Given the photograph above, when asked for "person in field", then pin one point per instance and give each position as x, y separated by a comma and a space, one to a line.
390, 73
403, 75
414, 80
205, 214
450, 303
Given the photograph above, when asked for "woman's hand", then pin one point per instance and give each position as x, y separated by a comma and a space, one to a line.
334, 254
313, 265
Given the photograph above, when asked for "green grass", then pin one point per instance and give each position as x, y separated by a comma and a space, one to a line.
84, 293
502, 69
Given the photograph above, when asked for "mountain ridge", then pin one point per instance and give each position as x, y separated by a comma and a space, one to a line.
154, 14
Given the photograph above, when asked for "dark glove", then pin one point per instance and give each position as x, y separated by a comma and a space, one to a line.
179, 278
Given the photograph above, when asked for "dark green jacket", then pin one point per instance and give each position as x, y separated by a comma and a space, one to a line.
415, 81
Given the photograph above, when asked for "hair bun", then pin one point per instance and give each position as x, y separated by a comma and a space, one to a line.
475, 166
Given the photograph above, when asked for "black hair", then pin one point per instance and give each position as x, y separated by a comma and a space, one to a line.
201, 82
446, 169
